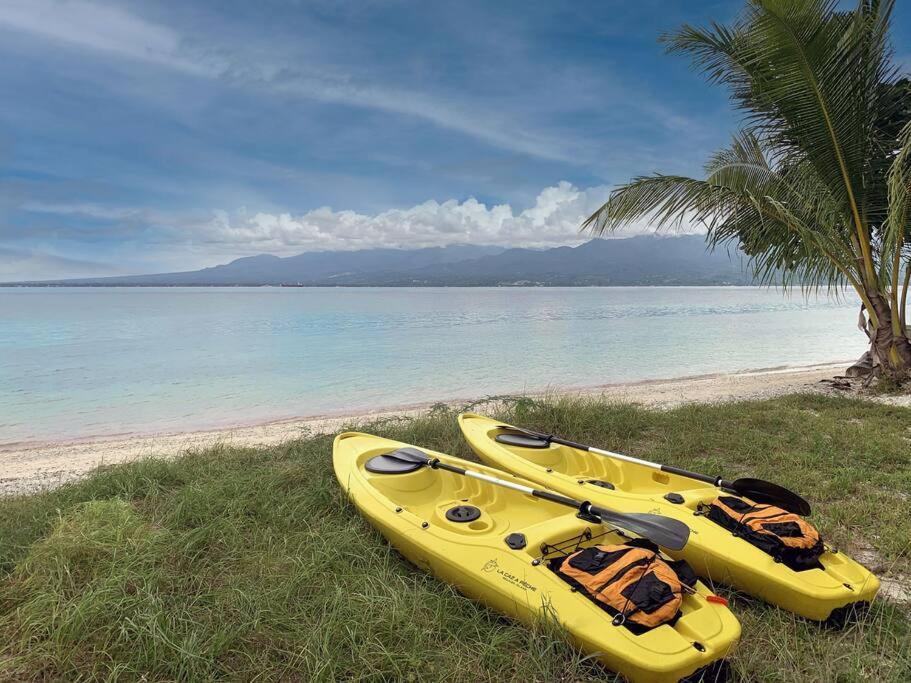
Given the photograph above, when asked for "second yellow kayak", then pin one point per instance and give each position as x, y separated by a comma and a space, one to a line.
827, 593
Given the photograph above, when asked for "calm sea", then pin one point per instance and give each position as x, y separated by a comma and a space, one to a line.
80, 362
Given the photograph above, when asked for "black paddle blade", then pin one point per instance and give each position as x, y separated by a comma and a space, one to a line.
770, 494
664, 531
402, 461
522, 440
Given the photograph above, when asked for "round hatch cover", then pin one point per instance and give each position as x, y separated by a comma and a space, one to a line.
463, 513
389, 464
522, 440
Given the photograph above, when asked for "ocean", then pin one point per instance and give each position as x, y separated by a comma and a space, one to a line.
79, 362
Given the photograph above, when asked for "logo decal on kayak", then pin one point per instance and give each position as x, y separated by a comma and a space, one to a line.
493, 566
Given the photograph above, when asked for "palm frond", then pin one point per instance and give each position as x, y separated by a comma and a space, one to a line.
784, 222
896, 233
897, 227
809, 78
666, 200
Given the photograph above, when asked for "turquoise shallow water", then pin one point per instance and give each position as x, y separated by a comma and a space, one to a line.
80, 362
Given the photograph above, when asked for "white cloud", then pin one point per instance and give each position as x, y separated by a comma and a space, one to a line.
110, 29
554, 220
99, 27
17, 265
154, 241
87, 210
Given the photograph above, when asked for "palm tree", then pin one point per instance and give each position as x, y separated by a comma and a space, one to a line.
816, 188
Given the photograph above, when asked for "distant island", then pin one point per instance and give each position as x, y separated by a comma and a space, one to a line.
645, 260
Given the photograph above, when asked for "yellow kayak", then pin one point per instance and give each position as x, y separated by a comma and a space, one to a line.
829, 592
493, 543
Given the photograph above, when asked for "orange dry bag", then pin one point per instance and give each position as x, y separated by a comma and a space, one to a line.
632, 582
785, 536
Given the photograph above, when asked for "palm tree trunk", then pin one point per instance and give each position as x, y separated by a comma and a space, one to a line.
889, 346
903, 305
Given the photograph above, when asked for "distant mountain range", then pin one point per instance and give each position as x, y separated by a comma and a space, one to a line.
642, 260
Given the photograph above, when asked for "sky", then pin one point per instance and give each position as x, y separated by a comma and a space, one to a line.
145, 136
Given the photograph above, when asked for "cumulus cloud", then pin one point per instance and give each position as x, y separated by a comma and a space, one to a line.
187, 240
554, 219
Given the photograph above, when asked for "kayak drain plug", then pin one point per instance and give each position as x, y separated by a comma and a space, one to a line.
516, 541
463, 513
602, 484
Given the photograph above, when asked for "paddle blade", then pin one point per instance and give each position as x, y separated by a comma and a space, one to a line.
401, 461
664, 531
522, 440
770, 494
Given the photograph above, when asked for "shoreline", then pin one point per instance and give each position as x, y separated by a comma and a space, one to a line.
32, 466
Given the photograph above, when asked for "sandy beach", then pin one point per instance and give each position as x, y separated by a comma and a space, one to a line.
26, 467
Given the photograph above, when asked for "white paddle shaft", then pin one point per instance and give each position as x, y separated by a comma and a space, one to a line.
627, 458
499, 482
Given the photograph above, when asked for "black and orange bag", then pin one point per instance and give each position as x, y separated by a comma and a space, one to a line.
631, 582
783, 535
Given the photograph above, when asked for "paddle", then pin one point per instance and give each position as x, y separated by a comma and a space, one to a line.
664, 531
754, 489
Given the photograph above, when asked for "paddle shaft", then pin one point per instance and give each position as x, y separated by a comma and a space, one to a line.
670, 469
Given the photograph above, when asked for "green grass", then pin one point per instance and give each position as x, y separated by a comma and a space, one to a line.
250, 564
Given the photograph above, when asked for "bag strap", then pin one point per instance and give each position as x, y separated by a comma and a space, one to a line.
621, 618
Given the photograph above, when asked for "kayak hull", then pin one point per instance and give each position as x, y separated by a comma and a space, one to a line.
715, 554
410, 511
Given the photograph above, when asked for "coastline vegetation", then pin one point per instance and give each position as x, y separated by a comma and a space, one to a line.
250, 564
